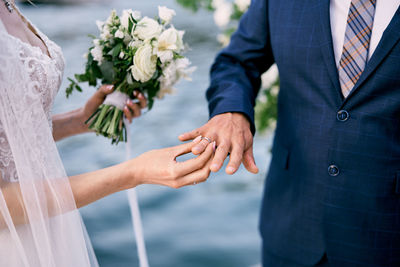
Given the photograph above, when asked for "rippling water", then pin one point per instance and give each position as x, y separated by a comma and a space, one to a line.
212, 224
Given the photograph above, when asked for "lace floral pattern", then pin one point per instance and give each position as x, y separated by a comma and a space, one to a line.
45, 78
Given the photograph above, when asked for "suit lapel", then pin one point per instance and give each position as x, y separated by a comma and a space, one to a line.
389, 38
326, 45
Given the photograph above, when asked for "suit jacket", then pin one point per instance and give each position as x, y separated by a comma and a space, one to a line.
334, 180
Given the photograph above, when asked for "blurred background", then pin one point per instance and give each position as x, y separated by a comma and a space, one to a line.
213, 224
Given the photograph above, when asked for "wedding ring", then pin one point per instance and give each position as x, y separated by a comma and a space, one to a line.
207, 139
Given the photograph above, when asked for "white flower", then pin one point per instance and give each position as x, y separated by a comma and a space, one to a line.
97, 53
147, 28
183, 70
242, 5
166, 14
112, 18
96, 42
121, 55
169, 41
119, 34
126, 17
172, 72
223, 12
144, 64
135, 43
105, 33
100, 24
136, 15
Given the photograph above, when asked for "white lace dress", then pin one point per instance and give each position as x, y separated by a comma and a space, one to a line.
39, 223
45, 78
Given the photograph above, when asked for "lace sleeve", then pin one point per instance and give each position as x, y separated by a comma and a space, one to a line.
51, 232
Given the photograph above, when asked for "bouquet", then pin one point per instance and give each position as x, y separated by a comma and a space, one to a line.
133, 53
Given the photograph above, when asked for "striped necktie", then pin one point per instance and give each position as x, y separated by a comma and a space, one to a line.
356, 43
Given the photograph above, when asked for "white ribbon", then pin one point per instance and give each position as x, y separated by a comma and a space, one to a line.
134, 204
118, 99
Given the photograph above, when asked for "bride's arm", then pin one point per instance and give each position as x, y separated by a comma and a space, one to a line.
154, 167
73, 122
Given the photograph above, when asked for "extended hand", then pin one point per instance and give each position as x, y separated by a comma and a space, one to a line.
161, 167
231, 131
131, 110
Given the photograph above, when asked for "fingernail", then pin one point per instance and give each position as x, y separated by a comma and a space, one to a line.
214, 166
214, 145
197, 139
127, 101
230, 169
110, 87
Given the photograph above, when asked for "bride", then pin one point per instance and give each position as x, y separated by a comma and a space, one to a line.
39, 221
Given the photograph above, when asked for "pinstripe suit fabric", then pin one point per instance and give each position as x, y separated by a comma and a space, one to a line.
353, 217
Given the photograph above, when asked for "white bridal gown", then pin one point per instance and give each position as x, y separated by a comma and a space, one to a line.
32, 174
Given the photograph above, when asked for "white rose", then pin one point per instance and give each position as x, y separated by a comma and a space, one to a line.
119, 34
97, 53
169, 41
147, 28
144, 63
242, 5
166, 14
223, 13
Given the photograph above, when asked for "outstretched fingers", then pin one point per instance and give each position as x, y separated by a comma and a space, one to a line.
191, 165
190, 135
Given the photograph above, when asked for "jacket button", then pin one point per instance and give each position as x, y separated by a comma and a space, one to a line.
342, 115
333, 170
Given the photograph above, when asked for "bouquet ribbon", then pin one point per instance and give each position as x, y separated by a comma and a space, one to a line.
116, 99
132, 196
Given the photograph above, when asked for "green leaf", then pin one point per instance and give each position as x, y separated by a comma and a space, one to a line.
108, 72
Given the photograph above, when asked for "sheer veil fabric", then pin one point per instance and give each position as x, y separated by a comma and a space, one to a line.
39, 222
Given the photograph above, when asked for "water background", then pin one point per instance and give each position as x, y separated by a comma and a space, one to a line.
214, 224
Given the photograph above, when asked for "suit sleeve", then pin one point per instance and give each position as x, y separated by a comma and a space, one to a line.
236, 72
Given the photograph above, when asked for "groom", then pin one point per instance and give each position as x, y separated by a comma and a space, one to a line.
332, 195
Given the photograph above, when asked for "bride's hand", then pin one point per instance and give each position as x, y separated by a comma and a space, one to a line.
161, 167
131, 110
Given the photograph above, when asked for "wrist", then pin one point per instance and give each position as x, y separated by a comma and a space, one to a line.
80, 119
128, 177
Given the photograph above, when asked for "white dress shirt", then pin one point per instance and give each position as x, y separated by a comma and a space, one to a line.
339, 10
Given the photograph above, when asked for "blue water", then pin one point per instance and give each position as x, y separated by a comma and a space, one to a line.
213, 224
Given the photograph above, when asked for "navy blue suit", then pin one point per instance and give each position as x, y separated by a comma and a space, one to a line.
333, 186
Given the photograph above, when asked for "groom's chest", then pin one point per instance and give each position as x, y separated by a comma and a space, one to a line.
296, 32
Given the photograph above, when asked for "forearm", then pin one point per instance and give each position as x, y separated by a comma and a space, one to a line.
68, 124
90, 187
86, 188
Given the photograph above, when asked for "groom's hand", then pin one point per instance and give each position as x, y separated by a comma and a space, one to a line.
231, 131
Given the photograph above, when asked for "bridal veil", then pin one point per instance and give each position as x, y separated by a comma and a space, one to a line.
39, 222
